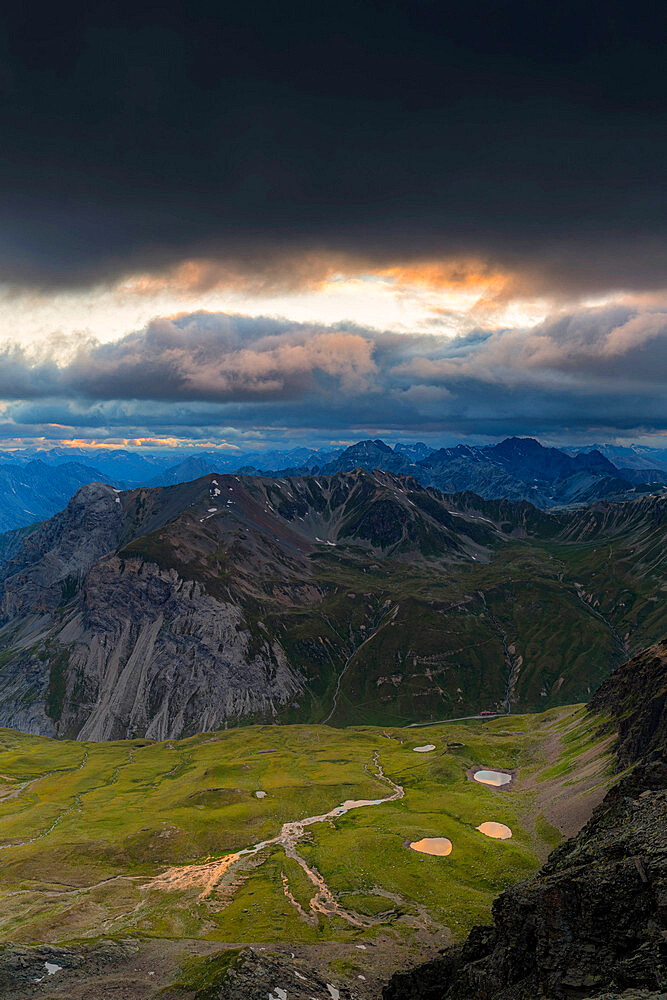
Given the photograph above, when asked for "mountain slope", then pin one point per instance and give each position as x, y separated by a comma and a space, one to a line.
369, 455
352, 598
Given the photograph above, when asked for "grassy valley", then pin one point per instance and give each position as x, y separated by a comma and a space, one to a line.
87, 831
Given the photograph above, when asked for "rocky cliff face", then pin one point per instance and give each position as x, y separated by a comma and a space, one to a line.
154, 654
108, 647
56, 556
593, 918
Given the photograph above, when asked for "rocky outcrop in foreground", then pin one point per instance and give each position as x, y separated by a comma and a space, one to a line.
251, 976
591, 923
111, 969
635, 701
40, 971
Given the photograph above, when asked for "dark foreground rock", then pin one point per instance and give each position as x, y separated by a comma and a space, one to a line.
123, 970
24, 971
249, 975
634, 699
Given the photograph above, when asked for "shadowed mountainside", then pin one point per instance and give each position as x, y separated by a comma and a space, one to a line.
34, 491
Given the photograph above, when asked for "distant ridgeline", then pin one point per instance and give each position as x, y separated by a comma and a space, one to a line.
514, 469
346, 597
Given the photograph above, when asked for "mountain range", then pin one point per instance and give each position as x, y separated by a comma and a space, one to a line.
351, 597
515, 469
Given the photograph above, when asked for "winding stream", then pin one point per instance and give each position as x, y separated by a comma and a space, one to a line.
207, 876
59, 818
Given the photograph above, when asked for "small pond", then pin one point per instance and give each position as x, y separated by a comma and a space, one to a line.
496, 830
433, 845
494, 778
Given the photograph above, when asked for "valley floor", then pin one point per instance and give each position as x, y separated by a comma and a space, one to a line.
142, 847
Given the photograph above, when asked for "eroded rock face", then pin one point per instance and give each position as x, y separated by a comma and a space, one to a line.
57, 555
109, 647
154, 655
162, 612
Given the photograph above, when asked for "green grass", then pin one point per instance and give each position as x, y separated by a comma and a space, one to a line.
107, 817
442, 655
204, 976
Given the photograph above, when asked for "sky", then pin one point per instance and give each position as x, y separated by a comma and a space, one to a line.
254, 225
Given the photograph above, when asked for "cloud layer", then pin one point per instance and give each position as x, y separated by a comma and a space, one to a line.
602, 369
137, 136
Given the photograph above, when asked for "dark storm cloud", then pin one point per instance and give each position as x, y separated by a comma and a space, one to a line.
137, 135
593, 368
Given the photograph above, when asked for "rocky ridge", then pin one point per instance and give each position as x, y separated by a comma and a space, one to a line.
515, 469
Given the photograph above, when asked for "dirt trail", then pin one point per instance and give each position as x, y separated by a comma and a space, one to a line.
207, 876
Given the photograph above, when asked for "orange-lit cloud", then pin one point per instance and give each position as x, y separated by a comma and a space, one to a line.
257, 275
450, 293
224, 376
141, 442
316, 271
